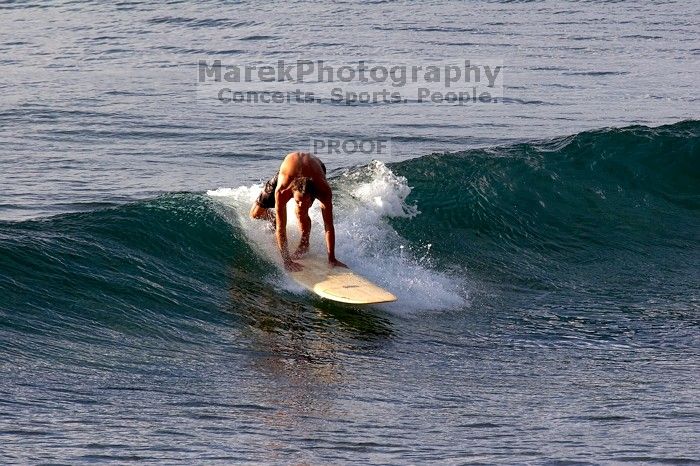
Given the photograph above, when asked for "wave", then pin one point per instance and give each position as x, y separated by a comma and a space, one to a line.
621, 199
606, 216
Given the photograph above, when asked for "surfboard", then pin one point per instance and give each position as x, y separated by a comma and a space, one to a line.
338, 283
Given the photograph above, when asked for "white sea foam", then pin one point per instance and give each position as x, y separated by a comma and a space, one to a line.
364, 200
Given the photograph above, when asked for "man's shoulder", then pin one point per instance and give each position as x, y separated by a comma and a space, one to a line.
290, 158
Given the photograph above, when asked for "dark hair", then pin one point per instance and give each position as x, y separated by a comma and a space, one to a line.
304, 186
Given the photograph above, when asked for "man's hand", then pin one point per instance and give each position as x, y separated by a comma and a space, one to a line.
292, 266
299, 253
336, 263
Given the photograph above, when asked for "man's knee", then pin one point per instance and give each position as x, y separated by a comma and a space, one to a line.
256, 211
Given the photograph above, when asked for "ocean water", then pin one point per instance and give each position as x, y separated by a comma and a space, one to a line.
544, 249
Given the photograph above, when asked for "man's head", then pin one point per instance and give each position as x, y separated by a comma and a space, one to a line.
304, 191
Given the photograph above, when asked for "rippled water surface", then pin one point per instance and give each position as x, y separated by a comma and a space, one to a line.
544, 249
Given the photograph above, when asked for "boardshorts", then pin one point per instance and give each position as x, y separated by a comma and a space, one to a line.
266, 199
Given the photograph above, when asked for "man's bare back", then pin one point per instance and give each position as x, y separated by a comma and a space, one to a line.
302, 164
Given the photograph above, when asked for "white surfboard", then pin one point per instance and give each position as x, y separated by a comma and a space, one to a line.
338, 283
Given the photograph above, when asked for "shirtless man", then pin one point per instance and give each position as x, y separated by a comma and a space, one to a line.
302, 176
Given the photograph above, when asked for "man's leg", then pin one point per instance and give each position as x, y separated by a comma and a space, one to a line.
259, 212
263, 205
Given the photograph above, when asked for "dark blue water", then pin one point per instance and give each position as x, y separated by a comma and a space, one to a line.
544, 249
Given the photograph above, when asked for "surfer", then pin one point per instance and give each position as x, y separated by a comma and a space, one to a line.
302, 176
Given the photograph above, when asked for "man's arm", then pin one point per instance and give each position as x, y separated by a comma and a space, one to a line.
282, 195
327, 214
305, 226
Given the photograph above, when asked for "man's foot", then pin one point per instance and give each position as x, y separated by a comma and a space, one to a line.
299, 253
336, 263
293, 266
